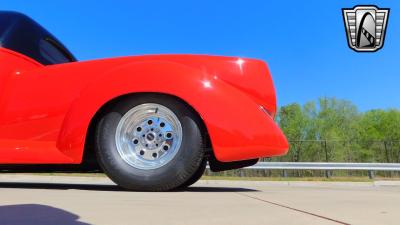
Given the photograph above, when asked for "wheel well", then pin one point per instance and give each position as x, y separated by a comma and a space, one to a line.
89, 156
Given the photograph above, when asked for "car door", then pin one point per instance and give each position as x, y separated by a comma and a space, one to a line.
31, 111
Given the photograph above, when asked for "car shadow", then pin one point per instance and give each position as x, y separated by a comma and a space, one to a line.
61, 186
111, 187
28, 214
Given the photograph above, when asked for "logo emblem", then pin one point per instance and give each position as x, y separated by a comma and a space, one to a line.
365, 27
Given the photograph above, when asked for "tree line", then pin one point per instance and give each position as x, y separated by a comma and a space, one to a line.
334, 130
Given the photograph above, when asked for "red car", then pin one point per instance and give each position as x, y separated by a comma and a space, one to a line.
151, 122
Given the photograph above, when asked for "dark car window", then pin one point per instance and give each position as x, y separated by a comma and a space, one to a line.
23, 35
51, 52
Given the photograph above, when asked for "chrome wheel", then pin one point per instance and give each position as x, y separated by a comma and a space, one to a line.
148, 136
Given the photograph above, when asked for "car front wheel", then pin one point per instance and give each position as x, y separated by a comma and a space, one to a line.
149, 143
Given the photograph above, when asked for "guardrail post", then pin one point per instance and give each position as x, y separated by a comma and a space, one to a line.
328, 174
263, 173
285, 173
371, 174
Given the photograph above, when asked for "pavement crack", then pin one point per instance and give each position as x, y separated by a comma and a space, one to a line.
293, 209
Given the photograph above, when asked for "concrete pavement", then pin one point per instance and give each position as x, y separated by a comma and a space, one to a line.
45, 200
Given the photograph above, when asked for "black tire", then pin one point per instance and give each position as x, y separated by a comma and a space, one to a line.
171, 175
196, 176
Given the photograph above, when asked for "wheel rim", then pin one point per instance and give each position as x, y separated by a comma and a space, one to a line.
148, 136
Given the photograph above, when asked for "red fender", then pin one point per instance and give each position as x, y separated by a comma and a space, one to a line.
46, 110
238, 128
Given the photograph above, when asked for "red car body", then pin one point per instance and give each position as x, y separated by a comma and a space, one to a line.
46, 110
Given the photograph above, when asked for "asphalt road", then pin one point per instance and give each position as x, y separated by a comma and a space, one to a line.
51, 200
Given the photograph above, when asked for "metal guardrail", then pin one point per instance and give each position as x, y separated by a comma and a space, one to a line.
326, 166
